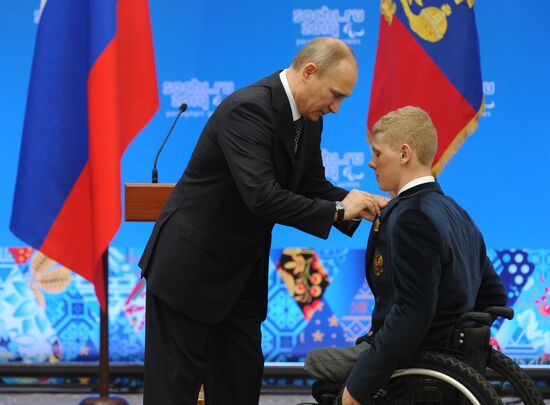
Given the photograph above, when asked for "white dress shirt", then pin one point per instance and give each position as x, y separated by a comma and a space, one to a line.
295, 112
416, 182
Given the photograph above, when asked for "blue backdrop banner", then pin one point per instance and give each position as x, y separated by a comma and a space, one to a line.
206, 50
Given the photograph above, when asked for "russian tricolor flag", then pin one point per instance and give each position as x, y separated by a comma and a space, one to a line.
428, 56
92, 89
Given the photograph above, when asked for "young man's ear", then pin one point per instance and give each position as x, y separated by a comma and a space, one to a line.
406, 153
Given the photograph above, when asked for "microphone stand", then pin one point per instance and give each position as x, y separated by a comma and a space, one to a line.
154, 175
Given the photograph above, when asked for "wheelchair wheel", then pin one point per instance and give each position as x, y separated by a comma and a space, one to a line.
435, 378
523, 386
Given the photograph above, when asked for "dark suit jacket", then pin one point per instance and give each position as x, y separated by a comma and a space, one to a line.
426, 265
243, 177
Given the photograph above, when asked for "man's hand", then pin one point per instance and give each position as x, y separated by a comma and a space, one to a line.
360, 204
347, 399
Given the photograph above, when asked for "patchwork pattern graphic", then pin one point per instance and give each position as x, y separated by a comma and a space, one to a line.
49, 314
526, 274
305, 278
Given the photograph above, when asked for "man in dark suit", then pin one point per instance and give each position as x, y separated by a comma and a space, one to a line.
257, 163
426, 263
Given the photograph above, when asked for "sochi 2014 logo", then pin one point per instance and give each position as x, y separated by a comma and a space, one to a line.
344, 170
201, 97
489, 96
344, 24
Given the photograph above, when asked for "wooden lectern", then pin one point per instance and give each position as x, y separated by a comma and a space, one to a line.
143, 202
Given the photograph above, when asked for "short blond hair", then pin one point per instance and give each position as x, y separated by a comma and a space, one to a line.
410, 125
325, 52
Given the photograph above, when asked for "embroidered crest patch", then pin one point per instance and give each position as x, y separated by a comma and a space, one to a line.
378, 263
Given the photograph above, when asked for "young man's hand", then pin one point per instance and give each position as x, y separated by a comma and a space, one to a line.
347, 399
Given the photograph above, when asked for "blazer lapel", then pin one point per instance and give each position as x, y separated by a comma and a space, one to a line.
374, 230
283, 116
385, 212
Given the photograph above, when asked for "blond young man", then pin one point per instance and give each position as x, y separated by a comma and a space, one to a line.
426, 263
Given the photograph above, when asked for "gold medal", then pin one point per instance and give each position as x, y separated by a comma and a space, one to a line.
376, 224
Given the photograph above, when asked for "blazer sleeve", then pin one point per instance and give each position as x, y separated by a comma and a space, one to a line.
491, 291
314, 184
246, 141
416, 263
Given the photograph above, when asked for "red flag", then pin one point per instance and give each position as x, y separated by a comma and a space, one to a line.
93, 88
428, 56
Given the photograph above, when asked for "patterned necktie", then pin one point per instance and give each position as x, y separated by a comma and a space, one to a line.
298, 127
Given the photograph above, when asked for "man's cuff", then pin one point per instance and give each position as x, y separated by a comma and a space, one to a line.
347, 227
359, 390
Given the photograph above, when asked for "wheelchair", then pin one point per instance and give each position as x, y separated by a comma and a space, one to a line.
454, 374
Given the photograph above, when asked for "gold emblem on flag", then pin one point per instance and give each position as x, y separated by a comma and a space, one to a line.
470, 2
388, 7
378, 263
430, 23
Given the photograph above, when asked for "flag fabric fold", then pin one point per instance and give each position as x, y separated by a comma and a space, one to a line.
92, 89
428, 56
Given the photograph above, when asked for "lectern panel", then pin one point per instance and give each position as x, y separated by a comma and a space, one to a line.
144, 201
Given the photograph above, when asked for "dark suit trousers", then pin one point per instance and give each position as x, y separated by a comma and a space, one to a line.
181, 354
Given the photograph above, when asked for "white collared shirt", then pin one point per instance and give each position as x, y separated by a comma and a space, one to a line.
416, 182
295, 112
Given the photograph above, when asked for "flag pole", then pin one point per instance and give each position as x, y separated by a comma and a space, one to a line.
104, 398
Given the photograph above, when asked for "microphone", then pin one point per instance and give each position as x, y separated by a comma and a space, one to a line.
155, 176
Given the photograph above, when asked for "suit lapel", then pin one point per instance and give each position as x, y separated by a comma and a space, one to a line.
283, 116
385, 212
373, 235
375, 231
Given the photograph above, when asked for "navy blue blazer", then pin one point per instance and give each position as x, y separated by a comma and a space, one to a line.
426, 264
243, 177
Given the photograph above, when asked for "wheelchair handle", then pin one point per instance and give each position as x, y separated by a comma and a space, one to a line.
480, 318
503, 312
486, 317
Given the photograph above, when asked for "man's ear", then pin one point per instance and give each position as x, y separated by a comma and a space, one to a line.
405, 152
308, 70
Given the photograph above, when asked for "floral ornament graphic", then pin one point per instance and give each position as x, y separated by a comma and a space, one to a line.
47, 276
305, 278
